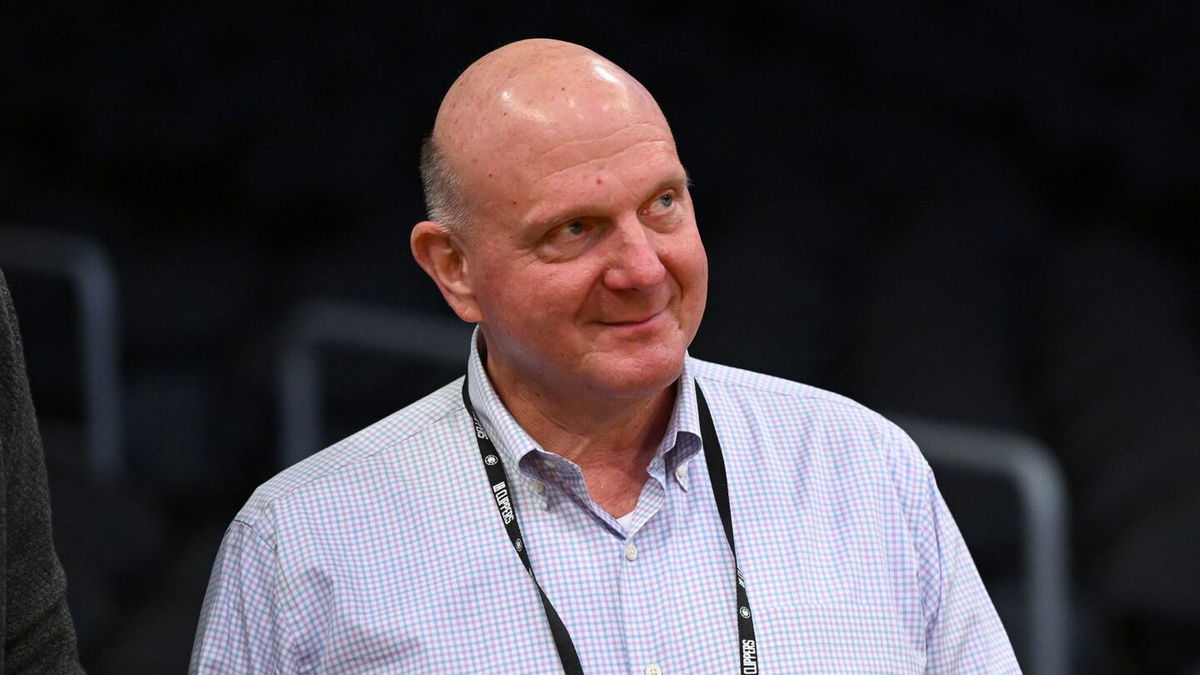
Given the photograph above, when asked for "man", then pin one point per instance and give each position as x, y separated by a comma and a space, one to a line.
662, 514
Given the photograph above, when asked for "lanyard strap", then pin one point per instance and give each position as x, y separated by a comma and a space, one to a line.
494, 466
500, 492
747, 645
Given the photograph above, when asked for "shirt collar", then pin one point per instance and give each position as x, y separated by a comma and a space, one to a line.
679, 444
510, 439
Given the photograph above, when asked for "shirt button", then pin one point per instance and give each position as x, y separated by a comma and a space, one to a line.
631, 555
653, 670
538, 486
681, 472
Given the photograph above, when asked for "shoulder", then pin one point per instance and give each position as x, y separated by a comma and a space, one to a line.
810, 423
791, 404
398, 450
733, 380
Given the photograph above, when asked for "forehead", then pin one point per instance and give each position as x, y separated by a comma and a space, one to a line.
626, 152
595, 143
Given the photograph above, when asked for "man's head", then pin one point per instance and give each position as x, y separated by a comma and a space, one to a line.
566, 227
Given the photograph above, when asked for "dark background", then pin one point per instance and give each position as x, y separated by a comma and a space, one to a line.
983, 213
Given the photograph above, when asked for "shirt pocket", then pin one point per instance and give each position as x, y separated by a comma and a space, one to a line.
841, 637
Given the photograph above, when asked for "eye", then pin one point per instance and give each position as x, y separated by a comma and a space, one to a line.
660, 204
567, 240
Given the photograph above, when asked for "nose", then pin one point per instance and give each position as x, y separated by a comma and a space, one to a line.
635, 264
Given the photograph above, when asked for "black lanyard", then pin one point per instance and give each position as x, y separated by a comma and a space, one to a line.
747, 647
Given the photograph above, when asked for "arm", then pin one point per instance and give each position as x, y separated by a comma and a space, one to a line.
241, 629
38, 632
963, 632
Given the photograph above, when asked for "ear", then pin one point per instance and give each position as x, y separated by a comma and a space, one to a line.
439, 252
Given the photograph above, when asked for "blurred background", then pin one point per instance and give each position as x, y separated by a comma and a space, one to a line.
981, 214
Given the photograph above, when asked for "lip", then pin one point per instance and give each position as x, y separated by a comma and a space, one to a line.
634, 323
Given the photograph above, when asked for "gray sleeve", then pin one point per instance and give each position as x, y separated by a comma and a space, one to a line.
38, 633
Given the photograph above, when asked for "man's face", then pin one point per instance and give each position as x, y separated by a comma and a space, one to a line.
586, 266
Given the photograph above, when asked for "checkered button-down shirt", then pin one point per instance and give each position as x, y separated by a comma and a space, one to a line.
385, 552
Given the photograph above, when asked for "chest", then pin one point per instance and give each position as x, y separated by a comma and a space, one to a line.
446, 592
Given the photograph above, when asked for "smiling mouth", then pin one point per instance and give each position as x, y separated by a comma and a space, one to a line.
635, 322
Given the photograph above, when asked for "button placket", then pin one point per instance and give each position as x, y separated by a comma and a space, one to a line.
639, 573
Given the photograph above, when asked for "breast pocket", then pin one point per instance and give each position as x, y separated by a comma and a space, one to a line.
835, 638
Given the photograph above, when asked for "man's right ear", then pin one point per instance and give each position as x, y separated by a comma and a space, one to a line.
439, 252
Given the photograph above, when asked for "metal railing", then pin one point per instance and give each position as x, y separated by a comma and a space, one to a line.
86, 267
433, 339
1040, 488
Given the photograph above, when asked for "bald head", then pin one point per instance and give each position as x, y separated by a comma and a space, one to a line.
516, 104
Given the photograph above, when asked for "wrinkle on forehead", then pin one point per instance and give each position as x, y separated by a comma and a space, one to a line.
592, 159
633, 134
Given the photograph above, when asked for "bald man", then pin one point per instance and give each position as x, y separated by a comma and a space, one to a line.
589, 498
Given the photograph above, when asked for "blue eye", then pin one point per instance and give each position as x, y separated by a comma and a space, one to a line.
660, 204
575, 228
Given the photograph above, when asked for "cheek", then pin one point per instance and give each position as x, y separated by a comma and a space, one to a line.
690, 265
495, 290
538, 301
690, 269
569, 285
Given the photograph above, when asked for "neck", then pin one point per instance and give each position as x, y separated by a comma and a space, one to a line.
612, 442
590, 433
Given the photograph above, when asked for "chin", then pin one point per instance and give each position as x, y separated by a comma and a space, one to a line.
642, 376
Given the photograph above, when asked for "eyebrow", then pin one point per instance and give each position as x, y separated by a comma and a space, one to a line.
583, 210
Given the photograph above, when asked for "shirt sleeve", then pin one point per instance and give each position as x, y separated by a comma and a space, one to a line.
241, 623
963, 631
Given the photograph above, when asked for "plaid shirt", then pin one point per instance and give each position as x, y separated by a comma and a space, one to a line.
385, 552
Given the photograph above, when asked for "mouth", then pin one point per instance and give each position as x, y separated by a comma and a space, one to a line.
635, 321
